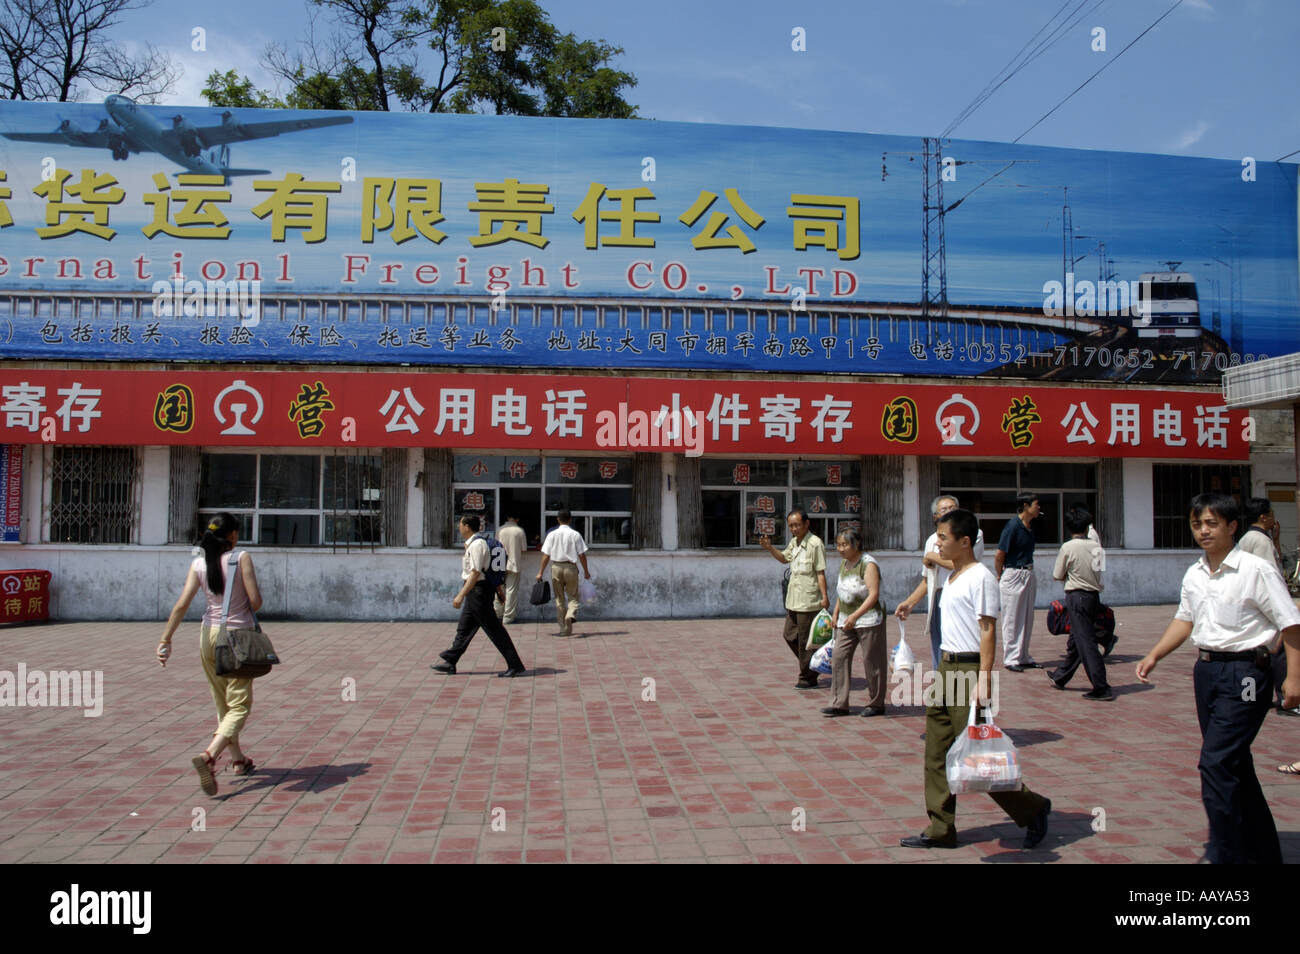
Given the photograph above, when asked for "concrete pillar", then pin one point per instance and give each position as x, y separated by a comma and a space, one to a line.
414, 499
668, 516
911, 505
1139, 499
155, 495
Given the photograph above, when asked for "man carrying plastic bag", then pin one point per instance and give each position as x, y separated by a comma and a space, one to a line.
968, 616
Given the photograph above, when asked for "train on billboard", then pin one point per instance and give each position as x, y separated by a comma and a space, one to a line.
141, 233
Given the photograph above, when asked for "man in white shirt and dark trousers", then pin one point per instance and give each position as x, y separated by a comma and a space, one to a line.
475, 604
1078, 564
968, 641
1233, 605
564, 549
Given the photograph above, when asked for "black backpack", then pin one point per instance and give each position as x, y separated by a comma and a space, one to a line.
495, 573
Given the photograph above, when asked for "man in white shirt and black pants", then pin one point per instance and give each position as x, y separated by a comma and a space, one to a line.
1233, 605
475, 604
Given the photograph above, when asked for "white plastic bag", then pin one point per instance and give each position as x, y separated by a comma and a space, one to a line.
586, 591
821, 660
902, 656
982, 759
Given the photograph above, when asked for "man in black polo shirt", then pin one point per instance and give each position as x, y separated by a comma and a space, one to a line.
1014, 566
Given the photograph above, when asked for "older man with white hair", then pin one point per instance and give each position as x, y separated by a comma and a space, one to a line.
935, 571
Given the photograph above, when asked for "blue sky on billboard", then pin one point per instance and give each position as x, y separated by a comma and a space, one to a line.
1215, 78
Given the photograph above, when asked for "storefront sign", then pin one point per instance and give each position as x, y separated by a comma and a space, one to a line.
543, 412
11, 492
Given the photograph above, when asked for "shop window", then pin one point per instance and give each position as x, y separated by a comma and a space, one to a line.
989, 489
1173, 487
294, 500
533, 488
94, 494
744, 499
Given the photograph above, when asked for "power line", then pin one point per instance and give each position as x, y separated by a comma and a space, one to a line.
1022, 60
1287, 156
1177, 3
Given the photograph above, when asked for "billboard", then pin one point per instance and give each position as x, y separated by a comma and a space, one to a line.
323, 408
139, 233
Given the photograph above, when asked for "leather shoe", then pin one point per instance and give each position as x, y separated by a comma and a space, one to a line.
446, 667
802, 684
511, 673
1104, 695
1288, 712
1015, 668
868, 713
1055, 684
925, 841
833, 712
1037, 829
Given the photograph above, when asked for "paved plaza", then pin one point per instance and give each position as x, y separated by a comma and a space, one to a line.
635, 741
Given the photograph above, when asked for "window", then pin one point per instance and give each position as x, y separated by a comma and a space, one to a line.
744, 499
989, 488
533, 488
93, 494
1174, 486
297, 500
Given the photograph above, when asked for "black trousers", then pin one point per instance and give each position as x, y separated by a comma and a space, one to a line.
1232, 699
1081, 647
477, 611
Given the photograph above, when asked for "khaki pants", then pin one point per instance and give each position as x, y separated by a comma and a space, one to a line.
942, 723
506, 612
234, 697
564, 581
875, 659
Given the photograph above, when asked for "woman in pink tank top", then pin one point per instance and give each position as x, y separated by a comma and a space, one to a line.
233, 697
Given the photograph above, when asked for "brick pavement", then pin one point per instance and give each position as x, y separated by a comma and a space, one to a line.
573, 762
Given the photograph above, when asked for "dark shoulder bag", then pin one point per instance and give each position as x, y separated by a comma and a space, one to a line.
241, 653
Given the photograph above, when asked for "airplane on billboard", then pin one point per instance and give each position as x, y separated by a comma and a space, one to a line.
130, 128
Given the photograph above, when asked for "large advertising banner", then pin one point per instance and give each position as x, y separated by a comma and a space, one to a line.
139, 233
312, 408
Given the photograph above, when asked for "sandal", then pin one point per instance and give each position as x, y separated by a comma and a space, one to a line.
1292, 769
206, 766
242, 766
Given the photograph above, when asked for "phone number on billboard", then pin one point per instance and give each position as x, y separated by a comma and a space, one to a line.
1136, 358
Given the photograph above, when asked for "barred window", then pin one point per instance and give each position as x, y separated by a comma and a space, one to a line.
1174, 485
533, 488
744, 499
297, 500
988, 489
94, 494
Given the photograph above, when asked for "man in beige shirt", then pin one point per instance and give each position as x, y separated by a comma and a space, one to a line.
514, 540
806, 595
1079, 566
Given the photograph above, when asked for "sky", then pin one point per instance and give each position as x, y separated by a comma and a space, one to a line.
1215, 78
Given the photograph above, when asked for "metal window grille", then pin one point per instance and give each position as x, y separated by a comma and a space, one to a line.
94, 495
1174, 486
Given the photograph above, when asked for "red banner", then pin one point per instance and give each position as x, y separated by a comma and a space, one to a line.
411, 409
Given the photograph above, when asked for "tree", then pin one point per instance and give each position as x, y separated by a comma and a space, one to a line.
54, 49
501, 56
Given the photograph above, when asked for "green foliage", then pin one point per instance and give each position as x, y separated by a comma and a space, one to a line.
485, 56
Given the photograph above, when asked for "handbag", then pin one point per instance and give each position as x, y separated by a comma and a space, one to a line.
241, 653
541, 594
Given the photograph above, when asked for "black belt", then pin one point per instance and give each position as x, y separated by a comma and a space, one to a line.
960, 657
1258, 656
1025, 566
